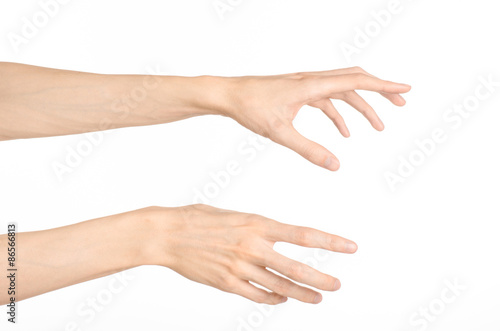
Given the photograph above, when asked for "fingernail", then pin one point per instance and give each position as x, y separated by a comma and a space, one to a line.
284, 300
336, 286
351, 247
331, 163
317, 298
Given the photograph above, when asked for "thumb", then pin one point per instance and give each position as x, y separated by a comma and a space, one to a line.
308, 149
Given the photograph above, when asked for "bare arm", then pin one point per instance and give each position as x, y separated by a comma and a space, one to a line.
52, 259
219, 248
40, 102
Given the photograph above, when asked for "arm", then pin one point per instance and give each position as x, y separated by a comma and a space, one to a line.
219, 248
40, 102
52, 259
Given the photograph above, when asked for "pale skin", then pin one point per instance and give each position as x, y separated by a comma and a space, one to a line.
41, 102
224, 249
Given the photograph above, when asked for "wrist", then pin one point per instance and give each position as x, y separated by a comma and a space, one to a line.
184, 97
154, 243
207, 95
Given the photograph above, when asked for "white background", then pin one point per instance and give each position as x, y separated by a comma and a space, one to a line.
439, 225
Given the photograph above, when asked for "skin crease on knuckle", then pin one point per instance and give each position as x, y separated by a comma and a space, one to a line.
309, 151
302, 236
237, 268
309, 89
281, 286
296, 272
300, 293
228, 283
347, 96
358, 70
332, 243
358, 80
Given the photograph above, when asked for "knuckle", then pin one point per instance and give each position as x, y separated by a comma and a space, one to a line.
248, 219
332, 242
311, 87
309, 151
227, 282
326, 104
199, 206
187, 212
340, 120
358, 69
358, 78
236, 268
241, 250
346, 95
256, 222
262, 227
281, 285
302, 236
385, 86
263, 221
153, 208
296, 271
298, 75
194, 210
310, 296
358, 75
247, 251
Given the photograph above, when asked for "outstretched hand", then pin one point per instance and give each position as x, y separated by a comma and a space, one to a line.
268, 105
231, 250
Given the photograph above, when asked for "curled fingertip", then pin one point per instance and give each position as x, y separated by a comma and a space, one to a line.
379, 126
350, 247
337, 285
332, 163
399, 101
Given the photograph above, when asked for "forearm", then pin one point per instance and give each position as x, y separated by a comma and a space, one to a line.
40, 102
52, 259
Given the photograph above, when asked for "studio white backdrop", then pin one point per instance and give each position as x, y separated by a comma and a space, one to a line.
420, 198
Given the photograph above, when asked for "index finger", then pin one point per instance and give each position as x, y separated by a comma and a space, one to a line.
328, 85
395, 98
309, 237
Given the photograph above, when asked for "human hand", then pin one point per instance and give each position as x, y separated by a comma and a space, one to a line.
228, 250
267, 105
